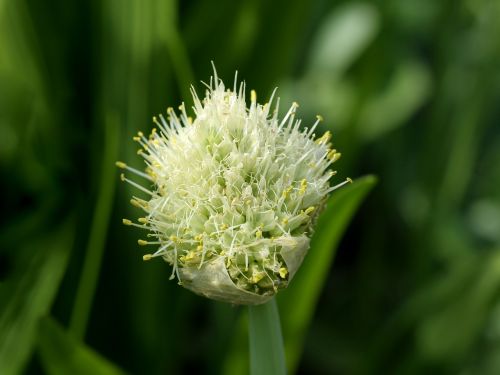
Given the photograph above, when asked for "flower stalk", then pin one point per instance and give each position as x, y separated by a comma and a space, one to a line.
267, 354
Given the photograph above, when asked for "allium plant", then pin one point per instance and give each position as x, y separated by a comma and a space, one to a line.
233, 194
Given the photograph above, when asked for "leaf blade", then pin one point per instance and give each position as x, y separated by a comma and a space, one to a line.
307, 285
60, 353
29, 295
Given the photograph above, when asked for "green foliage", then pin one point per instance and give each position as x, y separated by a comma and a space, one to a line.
97, 236
410, 90
29, 293
300, 301
60, 353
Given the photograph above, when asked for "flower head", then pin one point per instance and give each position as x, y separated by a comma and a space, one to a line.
232, 196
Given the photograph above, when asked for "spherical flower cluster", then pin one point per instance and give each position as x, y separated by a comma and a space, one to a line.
232, 196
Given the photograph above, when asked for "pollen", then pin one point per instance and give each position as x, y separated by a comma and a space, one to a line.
283, 272
325, 138
303, 186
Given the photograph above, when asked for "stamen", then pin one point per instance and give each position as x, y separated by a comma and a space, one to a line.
289, 114
253, 96
139, 203
136, 185
324, 138
122, 165
347, 181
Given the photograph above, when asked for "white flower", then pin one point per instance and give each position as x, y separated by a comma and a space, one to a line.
232, 195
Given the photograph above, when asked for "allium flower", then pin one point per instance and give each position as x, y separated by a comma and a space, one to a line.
233, 194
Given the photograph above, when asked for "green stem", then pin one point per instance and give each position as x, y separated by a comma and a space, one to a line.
97, 238
267, 356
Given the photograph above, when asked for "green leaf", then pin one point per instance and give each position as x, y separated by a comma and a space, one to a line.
298, 303
60, 353
437, 337
98, 230
28, 294
342, 37
407, 90
266, 343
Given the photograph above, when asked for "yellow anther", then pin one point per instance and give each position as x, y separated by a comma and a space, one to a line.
253, 96
135, 203
349, 180
223, 226
199, 247
256, 277
190, 255
333, 155
140, 151
198, 237
324, 138
140, 134
170, 109
295, 104
137, 139
283, 272
258, 234
303, 186
309, 210
319, 117
174, 238
287, 191
190, 120
153, 133
142, 220
121, 164
285, 221
142, 242
147, 257
122, 177
126, 221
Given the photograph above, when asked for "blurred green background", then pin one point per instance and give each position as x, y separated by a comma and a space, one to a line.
410, 90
